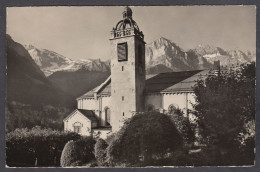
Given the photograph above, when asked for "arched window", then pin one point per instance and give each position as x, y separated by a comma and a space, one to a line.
77, 127
150, 108
172, 108
107, 116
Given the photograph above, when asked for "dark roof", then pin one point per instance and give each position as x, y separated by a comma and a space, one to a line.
163, 82
89, 114
173, 81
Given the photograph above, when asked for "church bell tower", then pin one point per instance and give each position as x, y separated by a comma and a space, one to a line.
127, 70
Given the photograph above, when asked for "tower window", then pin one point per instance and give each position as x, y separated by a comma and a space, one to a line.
122, 68
123, 113
123, 98
122, 51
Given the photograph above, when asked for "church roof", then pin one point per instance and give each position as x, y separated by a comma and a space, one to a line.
87, 113
159, 83
173, 81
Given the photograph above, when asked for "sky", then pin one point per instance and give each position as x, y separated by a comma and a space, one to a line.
83, 32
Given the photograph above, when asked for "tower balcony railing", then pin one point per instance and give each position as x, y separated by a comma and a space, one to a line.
126, 32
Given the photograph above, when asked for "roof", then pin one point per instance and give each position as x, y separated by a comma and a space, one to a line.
157, 83
173, 81
87, 113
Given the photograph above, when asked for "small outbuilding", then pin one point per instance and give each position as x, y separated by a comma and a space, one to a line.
81, 121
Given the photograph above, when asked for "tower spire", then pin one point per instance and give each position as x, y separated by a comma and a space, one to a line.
127, 14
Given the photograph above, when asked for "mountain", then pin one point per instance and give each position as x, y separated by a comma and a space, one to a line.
166, 53
26, 83
78, 82
227, 58
163, 55
50, 62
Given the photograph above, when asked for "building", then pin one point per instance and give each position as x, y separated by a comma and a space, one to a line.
128, 90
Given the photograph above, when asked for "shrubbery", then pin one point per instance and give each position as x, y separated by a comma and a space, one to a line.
143, 138
37, 146
78, 152
183, 125
100, 151
69, 154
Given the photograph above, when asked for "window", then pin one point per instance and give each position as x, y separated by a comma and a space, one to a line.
123, 113
122, 68
77, 127
107, 116
123, 98
122, 51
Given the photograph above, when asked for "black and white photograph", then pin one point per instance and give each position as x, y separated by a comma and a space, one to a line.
130, 86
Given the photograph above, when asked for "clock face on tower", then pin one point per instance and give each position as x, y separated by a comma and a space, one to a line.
122, 51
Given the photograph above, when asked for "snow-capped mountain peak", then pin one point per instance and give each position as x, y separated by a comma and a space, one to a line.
50, 61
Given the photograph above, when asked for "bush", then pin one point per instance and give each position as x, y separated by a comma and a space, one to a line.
36, 147
69, 154
100, 151
78, 152
143, 138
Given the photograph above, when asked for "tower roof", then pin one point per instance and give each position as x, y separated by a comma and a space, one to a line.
127, 26
127, 21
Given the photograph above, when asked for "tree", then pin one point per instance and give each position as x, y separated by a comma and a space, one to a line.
225, 103
183, 125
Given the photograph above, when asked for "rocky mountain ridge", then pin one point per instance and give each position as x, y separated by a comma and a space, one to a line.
51, 62
162, 55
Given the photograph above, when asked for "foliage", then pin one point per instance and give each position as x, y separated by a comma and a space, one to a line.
69, 154
144, 137
78, 152
183, 125
20, 115
25, 146
100, 151
224, 104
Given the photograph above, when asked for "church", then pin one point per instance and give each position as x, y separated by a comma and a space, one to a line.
129, 90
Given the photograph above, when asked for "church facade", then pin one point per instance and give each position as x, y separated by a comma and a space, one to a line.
129, 90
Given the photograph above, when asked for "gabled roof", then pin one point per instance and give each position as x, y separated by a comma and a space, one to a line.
89, 114
183, 81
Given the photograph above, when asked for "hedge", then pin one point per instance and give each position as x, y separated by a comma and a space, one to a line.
36, 147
